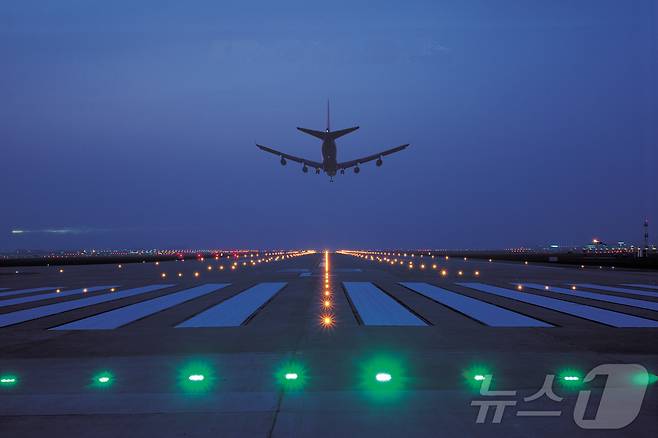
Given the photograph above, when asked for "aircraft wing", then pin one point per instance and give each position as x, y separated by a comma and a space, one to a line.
309, 163
352, 163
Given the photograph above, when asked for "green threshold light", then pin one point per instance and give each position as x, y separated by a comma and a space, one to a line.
291, 375
102, 379
8, 380
383, 377
570, 378
196, 377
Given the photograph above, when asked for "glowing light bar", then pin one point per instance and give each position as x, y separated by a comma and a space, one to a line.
479, 377
291, 376
383, 377
571, 378
8, 380
196, 377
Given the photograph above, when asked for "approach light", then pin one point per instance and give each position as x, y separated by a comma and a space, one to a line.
444, 272
61, 270
573, 287
460, 273
519, 287
383, 377
477, 273
58, 290
84, 290
163, 275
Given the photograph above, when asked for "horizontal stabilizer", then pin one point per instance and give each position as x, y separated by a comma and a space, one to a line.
319, 134
340, 133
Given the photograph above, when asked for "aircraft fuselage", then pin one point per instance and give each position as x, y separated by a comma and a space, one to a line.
329, 156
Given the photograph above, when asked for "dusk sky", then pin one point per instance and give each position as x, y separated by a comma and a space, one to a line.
133, 124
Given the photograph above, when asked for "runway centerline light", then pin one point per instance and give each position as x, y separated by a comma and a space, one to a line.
383, 377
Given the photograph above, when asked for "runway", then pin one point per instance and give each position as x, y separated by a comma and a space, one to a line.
376, 346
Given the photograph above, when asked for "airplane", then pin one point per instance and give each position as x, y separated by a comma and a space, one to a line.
329, 163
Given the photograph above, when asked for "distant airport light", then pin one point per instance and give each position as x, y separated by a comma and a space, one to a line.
444, 272
573, 287
383, 377
58, 290
477, 273
163, 275
525, 263
112, 289
546, 287
519, 287
327, 303
490, 260
120, 266
460, 273
209, 268
196, 274
327, 293
84, 290
61, 270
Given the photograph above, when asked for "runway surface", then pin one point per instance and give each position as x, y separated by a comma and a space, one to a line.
319, 344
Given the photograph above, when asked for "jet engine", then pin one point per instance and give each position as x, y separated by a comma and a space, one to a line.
305, 169
356, 169
283, 161
379, 162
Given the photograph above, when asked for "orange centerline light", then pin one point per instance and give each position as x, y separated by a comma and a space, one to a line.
327, 320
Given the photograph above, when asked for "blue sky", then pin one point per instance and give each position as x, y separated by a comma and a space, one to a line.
132, 124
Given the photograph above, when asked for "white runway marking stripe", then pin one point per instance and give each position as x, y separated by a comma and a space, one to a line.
234, 311
375, 307
51, 295
594, 296
618, 289
125, 315
486, 313
27, 291
596, 314
53, 309
646, 286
